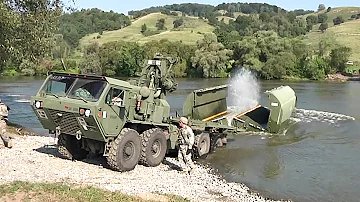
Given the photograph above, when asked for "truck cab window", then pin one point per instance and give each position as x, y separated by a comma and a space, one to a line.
87, 89
58, 85
115, 97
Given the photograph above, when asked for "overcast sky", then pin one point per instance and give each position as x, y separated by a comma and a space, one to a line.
122, 6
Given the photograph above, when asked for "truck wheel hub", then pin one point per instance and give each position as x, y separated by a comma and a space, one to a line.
129, 150
156, 147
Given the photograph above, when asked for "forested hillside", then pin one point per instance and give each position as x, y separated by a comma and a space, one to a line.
265, 38
75, 25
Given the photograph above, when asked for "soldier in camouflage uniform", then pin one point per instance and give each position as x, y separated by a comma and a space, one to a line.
4, 136
186, 142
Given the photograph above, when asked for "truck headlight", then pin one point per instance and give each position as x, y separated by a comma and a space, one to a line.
84, 112
38, 104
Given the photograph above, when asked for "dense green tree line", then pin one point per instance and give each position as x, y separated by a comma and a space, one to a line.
203, 10
264, 52
285, 25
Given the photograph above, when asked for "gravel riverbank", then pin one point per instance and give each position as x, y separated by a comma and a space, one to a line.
35, 159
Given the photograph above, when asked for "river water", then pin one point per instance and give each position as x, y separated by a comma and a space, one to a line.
317, 159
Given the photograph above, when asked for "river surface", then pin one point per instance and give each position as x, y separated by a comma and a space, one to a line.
317, 159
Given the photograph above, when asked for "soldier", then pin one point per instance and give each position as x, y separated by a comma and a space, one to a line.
186, 142
4, 136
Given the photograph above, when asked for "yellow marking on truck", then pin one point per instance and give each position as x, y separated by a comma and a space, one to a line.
245, 112
215, 116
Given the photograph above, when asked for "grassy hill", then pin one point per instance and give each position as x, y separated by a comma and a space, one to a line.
345, 12
347, 33
192, 30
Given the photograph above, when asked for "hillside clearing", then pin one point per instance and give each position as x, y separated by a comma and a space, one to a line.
191, 30
347, 34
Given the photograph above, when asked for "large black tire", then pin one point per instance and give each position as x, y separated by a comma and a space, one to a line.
70, 148
202, 145
154, 146
125, 151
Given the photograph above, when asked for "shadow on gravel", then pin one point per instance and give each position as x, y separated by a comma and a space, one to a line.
172, 166
93, 159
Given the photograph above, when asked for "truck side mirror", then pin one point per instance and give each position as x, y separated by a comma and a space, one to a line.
108, 99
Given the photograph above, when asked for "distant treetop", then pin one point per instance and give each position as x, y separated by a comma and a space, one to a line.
203, 10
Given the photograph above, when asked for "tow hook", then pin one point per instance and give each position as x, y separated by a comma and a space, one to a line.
78, 135
57, 131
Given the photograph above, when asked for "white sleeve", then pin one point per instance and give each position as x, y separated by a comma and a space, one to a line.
191, 137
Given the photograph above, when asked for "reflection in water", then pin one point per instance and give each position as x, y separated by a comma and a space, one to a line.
273, 164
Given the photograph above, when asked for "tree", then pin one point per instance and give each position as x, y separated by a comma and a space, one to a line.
321, 7
311, 19
161, 24
211, 58
90, 63
121, 58
322, 18
328, 9
326, 43
143, 28
177, 23
338, 58
323, 27
338, 20
276, 66
27, 28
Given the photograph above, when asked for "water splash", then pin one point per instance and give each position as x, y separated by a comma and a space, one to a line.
244, 91
307, 116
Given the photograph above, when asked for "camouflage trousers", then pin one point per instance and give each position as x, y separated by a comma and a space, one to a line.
5, 139
184, 159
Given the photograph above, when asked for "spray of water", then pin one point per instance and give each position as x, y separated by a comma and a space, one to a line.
244, 91
307, 115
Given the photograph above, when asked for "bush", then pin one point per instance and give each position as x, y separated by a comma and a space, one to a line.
151, 32
27, 68
28, 72
10, 72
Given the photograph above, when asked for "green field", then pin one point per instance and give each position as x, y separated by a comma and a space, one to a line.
25, 191
191, 31
345, 12
347, 34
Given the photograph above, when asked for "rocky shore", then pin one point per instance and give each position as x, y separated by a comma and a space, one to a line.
36, 159
341, 77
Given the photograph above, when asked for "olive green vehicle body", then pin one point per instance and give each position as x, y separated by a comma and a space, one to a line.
143, 106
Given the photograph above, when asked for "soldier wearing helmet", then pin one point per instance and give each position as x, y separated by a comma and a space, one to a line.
186, 142
4, 136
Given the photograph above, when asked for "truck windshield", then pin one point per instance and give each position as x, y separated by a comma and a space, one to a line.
58, 85
87, 89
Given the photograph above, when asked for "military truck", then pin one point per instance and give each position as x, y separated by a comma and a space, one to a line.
129, 122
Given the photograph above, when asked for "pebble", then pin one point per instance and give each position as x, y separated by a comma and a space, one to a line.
36, 159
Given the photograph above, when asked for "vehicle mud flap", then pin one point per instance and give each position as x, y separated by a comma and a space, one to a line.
282, 103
